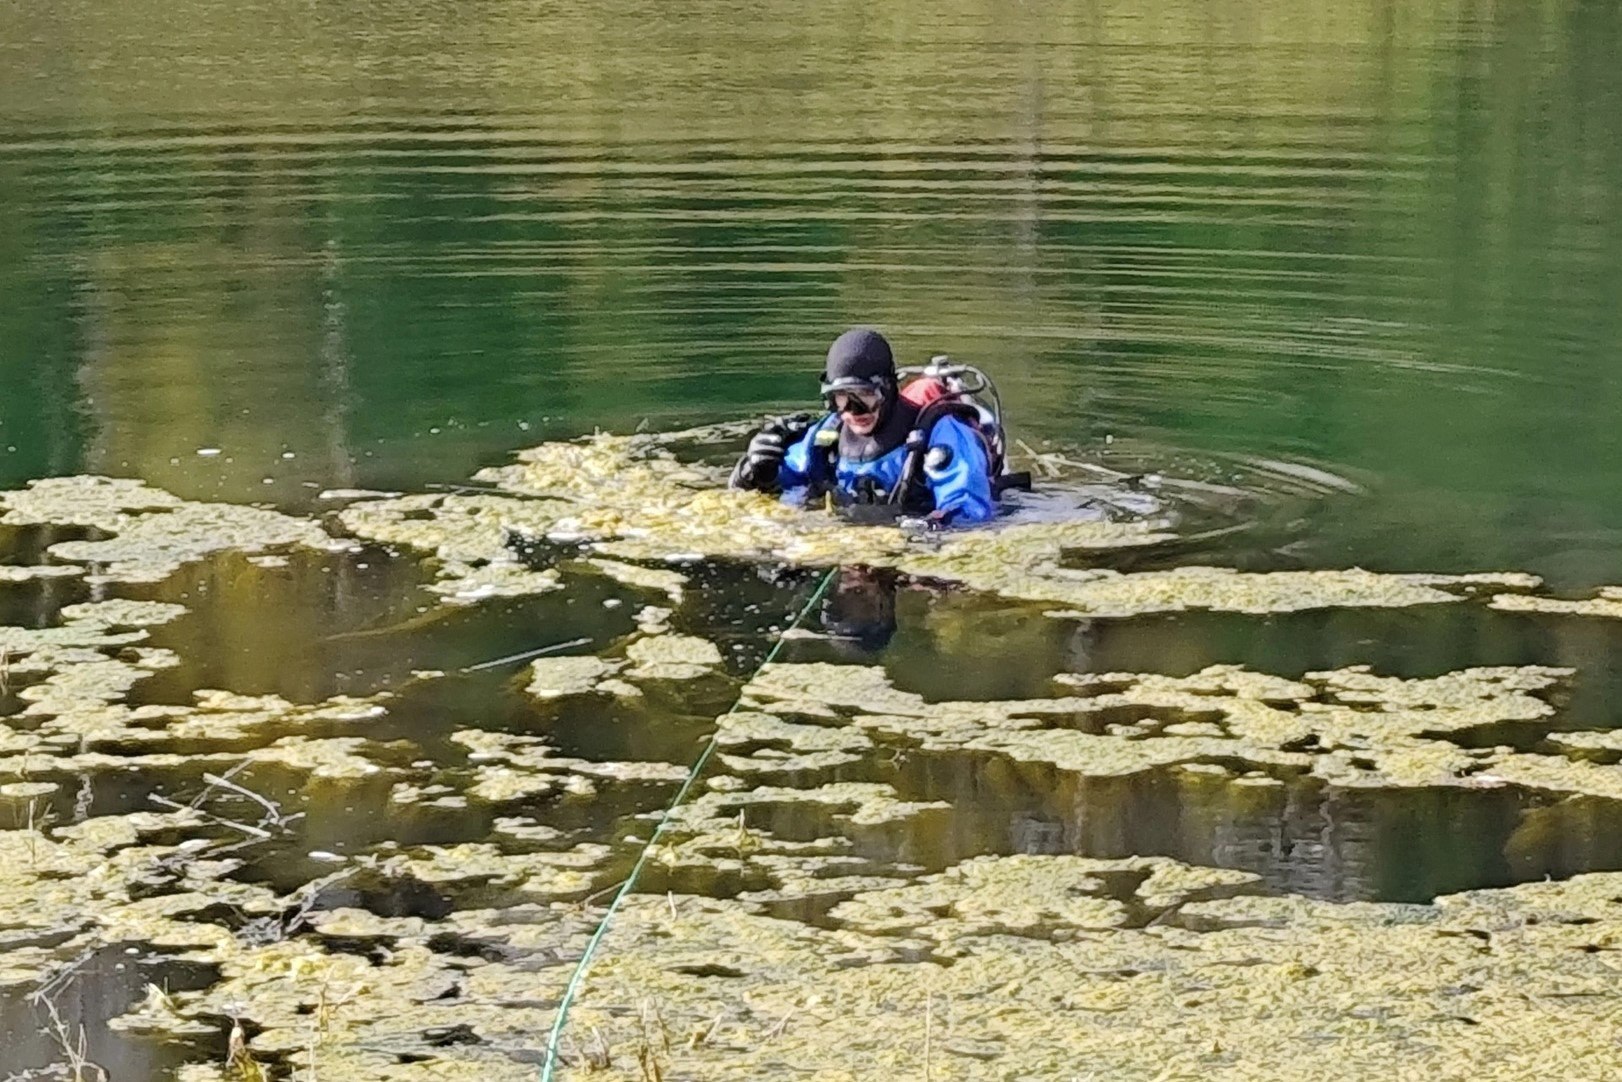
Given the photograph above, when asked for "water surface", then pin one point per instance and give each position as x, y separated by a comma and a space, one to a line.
397, 241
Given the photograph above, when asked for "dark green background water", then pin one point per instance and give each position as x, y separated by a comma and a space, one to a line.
395, 241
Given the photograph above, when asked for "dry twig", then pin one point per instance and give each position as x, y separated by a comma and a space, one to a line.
74, 1047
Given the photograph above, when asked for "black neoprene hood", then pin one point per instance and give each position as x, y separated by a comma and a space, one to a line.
859, 359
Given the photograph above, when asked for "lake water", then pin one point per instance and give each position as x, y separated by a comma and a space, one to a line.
1361, 261
398, 241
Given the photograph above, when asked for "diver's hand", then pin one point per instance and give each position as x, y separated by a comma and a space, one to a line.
758, 467
768, 444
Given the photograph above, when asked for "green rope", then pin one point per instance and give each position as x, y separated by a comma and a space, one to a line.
580, 968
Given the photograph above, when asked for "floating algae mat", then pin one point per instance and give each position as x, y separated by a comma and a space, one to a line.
1056, 967
1227, 873
150, 533
631, 498
1606, 603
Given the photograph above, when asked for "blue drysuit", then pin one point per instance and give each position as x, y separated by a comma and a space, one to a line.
960, 487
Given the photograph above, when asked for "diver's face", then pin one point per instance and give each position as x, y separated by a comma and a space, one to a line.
858, 410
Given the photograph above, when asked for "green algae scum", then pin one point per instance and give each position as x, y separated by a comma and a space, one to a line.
372, 855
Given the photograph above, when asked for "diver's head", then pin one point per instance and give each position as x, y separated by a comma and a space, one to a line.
859, 382
859, 611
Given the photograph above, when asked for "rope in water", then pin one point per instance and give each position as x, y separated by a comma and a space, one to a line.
579, 975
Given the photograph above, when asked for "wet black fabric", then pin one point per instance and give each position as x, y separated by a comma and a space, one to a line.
860, 355
861, 359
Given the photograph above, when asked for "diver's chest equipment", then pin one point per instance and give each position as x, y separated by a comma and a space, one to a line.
936, 391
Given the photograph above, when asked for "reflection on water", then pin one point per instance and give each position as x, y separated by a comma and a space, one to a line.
1300, 838
103, 986
347, 624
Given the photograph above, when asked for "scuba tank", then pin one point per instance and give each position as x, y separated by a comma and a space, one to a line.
944, 389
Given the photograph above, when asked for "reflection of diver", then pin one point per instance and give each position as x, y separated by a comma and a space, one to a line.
928, 441
859, 609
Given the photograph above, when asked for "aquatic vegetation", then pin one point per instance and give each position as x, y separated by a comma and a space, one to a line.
754, 742
652, 654
18, 573
85, 631
1349, 728
671, 657
1604, 746
103, 503
1090, 954
440, 948
539, 876
670, 583
508, 767
630, 498
333, 758
70, 889
403, 1010
1035, 897
1607, 602
1057, 962
469, 537
556, 677
1225, 590
151, 533
466, 586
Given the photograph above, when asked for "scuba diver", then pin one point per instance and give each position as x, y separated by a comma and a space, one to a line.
928, 441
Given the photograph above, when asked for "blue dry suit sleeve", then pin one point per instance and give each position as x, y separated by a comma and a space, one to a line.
798, 460
962, 485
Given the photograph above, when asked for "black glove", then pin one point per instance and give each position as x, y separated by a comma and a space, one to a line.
758, 467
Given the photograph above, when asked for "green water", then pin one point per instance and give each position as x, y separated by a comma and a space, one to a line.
1380, 239
1362, 260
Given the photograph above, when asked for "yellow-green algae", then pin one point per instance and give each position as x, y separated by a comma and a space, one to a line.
468, 536
671, 657
71, 889
153, 533
1134, 965
1603, 746
1040, 897
541, 875
651, 654
1061, 967
508, 767
556, 677
1058, 966
76, 672
671, 583
1350, 728
333, 758
86, 629
75, 724
470, 585
401, 1011
1606, 602
29, 573
629, 498
102, 503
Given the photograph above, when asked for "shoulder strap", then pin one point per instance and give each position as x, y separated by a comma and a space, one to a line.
908, 486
